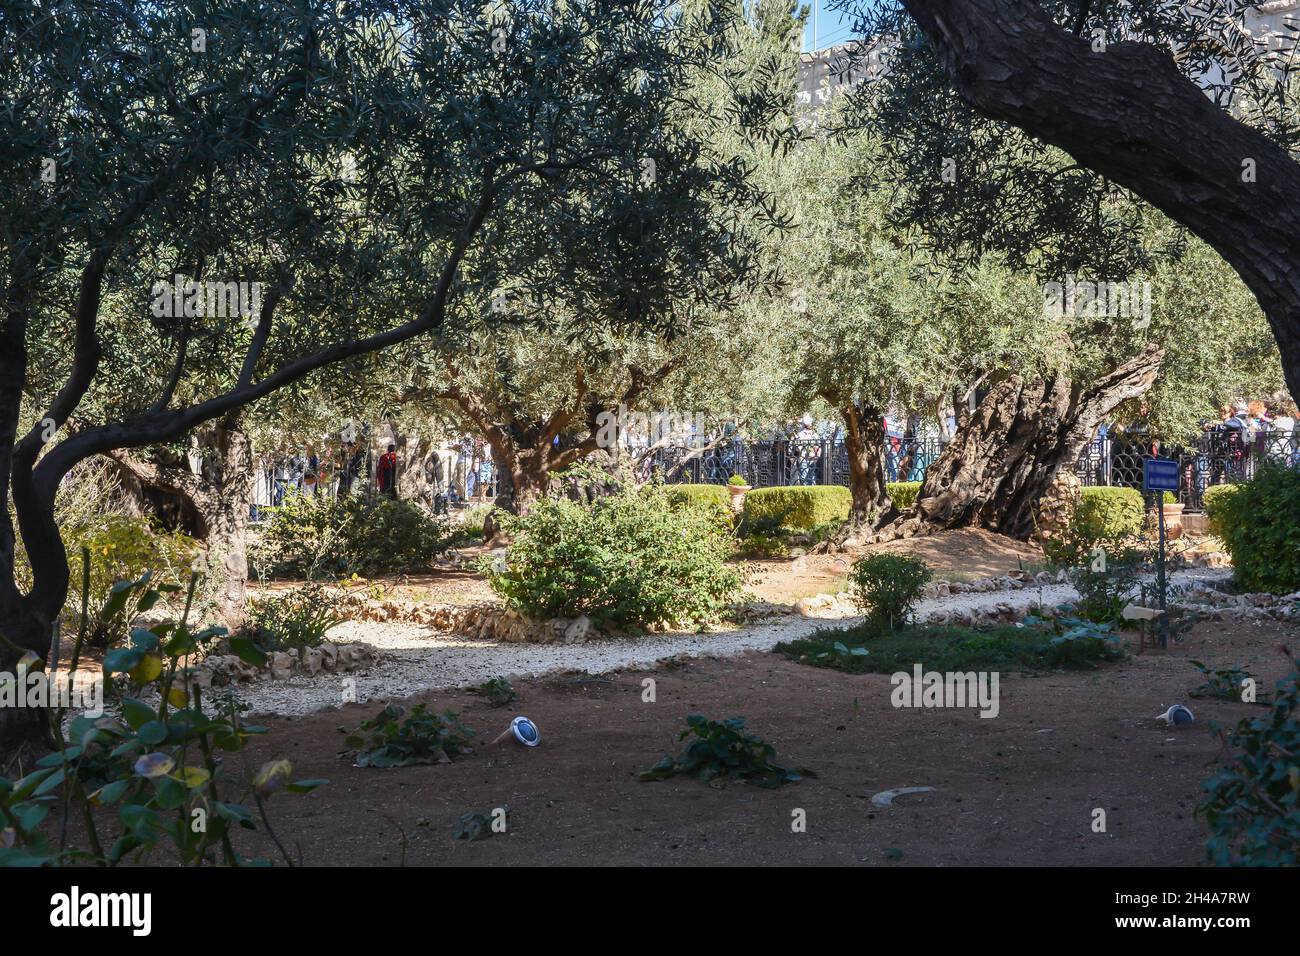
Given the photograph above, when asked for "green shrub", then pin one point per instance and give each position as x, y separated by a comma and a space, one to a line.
1224, 683
472, 520
296, 619
393, 739
313, 537
737, 481
1116, 513
497, 691
627, 560
887, 587
1253, 804
903, 493
1105, 519
122, 549
1260, 526
709, 496
761, 546
799, 507
721, 748
1215, 499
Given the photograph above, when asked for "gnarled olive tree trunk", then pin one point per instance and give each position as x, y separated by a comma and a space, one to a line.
1007, 453
221, 497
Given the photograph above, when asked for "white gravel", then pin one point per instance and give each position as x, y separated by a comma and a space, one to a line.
416, 658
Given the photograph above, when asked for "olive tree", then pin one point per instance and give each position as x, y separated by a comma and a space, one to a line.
340, 165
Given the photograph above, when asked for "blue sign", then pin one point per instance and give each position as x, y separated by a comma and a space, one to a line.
1159, 474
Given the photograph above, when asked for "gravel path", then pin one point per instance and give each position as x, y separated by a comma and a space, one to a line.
418, 658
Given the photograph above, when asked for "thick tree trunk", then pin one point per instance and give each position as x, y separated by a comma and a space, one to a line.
864, 443
221, 497
24, 731
226, 509
1006, 454
1130, 114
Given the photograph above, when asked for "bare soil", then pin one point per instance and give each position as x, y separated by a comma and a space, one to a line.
1019, 789
954, 555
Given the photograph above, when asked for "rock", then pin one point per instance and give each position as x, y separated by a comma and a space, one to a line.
313, 661
578, 631
280, 665
240, 670
817, 602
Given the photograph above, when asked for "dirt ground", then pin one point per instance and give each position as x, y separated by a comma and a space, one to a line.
954, 555
1019, 789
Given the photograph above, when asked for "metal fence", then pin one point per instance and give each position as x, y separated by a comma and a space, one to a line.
1214, 458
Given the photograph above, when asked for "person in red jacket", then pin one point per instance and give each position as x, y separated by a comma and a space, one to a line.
386, 473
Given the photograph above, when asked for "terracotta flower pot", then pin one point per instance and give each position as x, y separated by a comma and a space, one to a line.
1173, 520
737, 493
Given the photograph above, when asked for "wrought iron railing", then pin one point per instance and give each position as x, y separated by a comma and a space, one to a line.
1117, 459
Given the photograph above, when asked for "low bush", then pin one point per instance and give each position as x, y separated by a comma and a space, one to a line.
708, 496
1215, 500
1097, 549
799, 507
903, 493
1225, 683
316, 537
1114, 513
497, 691
122, 549
1253, 804
1260, 526
721, 748
472, 520
887, 587
628, 560
395, 738
295, 619
761, 546
1071, 643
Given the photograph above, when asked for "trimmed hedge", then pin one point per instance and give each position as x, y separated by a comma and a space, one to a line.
799, 507
1260, 526
903, 493
1112, 512
710, 495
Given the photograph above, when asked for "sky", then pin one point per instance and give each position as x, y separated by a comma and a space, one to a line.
833, 26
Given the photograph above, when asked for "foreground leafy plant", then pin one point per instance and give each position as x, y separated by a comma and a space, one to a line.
388, 740
723, 749
1253, 805
157, 762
